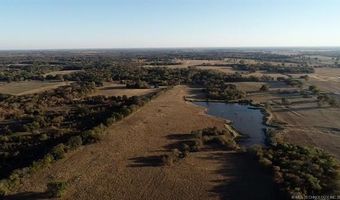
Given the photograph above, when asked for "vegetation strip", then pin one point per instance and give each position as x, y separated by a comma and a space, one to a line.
74, 141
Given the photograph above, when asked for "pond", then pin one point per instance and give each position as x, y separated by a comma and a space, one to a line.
246, 119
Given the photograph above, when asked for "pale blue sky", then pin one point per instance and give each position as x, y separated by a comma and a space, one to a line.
41, 24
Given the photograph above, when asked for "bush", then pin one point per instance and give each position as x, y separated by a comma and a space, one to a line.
36, 165
265, 162
171, 158
3, 188
91, 136
56, 189
264, 88
58, 152
74, 142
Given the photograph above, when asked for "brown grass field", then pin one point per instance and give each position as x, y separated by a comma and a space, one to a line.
312, 126
327, 79
227, 70
249, 86
29, 87
230, 70
122, 165
112, 89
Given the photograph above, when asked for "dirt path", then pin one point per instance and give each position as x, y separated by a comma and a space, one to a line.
122, 165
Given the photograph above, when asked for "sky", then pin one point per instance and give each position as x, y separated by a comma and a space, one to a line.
76, 24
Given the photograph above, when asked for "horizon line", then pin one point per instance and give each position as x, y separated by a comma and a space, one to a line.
151, 48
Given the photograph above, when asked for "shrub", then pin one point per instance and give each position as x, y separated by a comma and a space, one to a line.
36, 165
56, 189
167, 160
91, 136
264, 88
74, 142
43, 137
58, 152
265, 162
171, 158
110, 121
3, 188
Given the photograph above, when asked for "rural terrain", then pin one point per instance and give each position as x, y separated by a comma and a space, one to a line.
111, 124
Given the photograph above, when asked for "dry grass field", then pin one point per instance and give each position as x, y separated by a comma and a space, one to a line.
112, 89
227, 70
230, 70
321, 60
327, 79
249, 86
122, 165
307, 124
29, 87
62, 72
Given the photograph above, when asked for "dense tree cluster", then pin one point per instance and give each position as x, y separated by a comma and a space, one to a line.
224, 92
301, 171
137, 85
274, 69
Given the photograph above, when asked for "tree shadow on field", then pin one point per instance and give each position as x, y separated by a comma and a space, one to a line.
177, 140
156, 160
146, 161
244, 178
27, 196
113, 87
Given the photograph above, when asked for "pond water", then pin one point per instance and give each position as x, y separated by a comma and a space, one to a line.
245, 118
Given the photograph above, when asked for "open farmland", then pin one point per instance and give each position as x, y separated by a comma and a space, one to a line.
327, 79
29, 87
112, 89
227, 70
304, 121
307, 124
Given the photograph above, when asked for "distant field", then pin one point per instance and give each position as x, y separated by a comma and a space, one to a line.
321, 60
249, 86
62, 72
188, 63
327, 79
29, 87
227, 70
306, 122
230, 70
313, 126
110, 89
